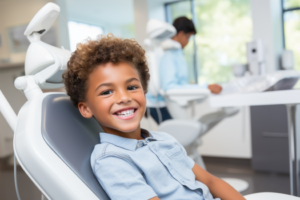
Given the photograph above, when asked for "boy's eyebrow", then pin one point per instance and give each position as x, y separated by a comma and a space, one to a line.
110, 84
103, 84
132, 79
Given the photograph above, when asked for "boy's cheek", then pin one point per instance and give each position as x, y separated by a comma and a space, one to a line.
141, 98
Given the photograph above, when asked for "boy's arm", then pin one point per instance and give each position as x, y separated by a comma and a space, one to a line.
155, 198
217, 187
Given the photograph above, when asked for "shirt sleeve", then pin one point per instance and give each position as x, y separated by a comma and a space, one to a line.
168, 78
121, 179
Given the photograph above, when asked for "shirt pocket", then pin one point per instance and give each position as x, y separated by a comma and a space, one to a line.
179, 161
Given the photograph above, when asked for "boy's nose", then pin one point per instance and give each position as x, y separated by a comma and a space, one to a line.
123, 97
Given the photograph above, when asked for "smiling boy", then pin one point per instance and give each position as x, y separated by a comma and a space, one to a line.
107, 79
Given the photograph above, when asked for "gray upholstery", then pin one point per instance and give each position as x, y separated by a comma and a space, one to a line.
71, 137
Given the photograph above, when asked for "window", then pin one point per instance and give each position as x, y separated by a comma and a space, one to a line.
78, 32
223, 29
291, 21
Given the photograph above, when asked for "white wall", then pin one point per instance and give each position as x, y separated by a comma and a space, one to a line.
140, 20
156, 10
114, 16
267, 26
230, 138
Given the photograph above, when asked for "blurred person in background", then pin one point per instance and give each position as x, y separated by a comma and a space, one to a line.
173, 68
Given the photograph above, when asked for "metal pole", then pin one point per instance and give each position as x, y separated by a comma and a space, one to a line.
282, 23
194, 40
292, 148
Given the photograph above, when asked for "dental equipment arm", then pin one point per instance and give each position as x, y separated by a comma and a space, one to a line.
44, 64
7, 111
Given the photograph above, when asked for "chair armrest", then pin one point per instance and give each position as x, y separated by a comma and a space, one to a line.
210, 120
185, 131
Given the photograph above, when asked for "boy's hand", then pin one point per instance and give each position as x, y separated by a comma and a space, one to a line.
215, 88
217, 187
154, 198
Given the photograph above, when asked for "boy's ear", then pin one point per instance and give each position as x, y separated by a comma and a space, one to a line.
84, 110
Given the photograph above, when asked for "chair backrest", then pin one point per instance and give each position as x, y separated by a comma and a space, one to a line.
72, 138
157, 32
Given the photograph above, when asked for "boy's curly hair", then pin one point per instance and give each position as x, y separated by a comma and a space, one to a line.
103, 50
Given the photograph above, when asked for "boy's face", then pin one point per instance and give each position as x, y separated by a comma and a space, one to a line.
115, 97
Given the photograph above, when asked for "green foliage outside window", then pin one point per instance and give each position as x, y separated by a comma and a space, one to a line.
291, 4
292, 30
223, 29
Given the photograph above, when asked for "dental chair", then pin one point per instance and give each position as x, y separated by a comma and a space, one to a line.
52, 141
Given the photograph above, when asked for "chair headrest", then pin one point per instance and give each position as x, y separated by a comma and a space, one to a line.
170, 44
157, 29
71, 137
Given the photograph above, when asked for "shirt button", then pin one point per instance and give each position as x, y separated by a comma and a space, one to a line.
138, 145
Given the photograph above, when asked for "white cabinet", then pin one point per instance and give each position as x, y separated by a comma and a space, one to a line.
230, 138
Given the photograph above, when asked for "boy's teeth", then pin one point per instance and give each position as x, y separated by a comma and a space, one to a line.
125, 112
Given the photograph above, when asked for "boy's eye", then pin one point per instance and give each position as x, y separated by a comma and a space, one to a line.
132, 87
107, 92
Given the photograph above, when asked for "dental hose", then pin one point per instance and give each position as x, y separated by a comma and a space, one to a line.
158, 111
158, 114
15, 178
149, 115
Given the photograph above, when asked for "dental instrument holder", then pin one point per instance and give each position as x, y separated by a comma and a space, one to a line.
256, 57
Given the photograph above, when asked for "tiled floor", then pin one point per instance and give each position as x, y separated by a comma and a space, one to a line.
221, 167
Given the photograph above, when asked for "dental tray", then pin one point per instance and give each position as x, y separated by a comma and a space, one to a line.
279, 80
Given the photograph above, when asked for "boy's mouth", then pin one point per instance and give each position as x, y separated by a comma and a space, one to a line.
127, 113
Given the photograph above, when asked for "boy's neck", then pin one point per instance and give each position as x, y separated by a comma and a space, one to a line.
136, 134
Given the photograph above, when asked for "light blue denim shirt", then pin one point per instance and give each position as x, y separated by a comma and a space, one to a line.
173, 74
130, 169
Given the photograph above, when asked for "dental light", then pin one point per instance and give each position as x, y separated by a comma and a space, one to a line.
44, 64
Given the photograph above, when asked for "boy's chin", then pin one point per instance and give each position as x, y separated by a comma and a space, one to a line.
128, 128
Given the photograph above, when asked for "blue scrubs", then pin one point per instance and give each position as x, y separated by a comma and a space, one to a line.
173, 73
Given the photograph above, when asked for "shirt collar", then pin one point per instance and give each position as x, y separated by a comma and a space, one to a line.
170, 44
125, 143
